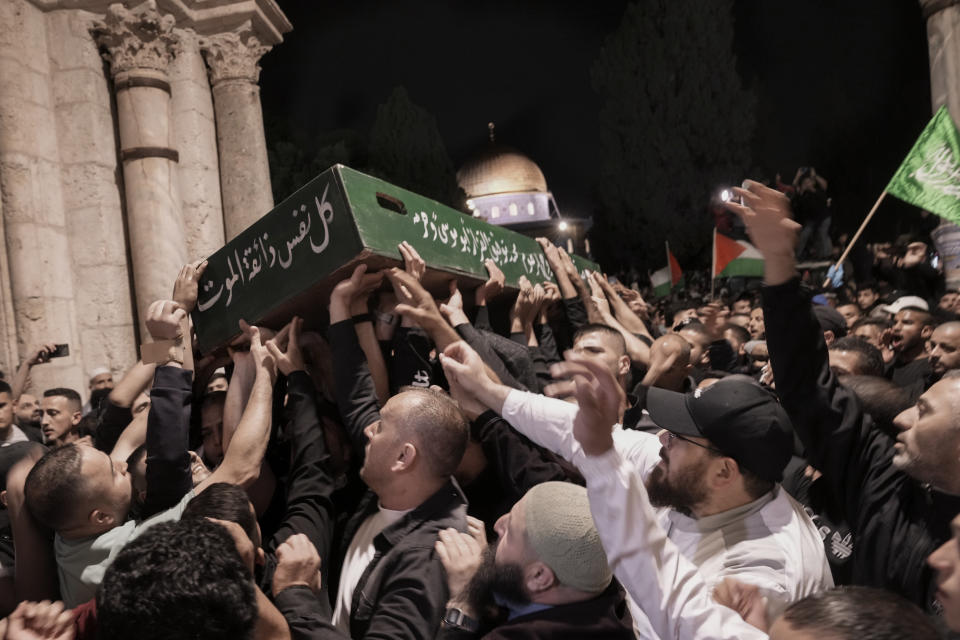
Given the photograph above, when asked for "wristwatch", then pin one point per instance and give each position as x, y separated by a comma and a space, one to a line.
455, 617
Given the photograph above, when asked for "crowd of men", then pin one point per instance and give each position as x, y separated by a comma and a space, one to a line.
570, 462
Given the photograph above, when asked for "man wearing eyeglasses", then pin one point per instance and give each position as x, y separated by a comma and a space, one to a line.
714, 473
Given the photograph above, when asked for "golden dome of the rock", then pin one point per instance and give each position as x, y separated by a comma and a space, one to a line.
500, 170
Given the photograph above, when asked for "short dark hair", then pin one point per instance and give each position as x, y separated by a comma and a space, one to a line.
5, 388
859, 613
69, 394
670, 311
224, 501
178, 580
870, 358
742, 334
607, 330
441, 429
55, 485
864, 321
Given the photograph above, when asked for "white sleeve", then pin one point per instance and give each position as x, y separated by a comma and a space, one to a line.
665, 584
549, 423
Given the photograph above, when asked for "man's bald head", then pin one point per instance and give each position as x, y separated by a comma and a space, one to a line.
944, 348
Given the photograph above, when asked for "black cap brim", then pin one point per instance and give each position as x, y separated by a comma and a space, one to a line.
668, 409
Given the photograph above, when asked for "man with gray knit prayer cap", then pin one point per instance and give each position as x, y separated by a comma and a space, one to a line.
545, 577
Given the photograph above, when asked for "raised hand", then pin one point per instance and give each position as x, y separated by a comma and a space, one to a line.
464, 368
187, 286
766, 213
41, 353
412, 262
164, 318
347, 292
493, 286
597, 293
415, 302
551, 254
714, 318
600, 399
262, 359
291, 359
359, 283
452, 309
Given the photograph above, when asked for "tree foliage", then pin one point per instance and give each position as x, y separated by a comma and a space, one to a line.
403, 147
676, 125
406, 149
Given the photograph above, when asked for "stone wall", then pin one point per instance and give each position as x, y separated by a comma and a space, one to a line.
34, 218
82, 245
91, 193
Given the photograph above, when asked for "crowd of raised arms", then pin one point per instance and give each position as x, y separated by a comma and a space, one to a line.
574, 463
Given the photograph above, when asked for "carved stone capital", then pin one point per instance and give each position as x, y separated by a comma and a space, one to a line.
138, 38
234, 55
931, 7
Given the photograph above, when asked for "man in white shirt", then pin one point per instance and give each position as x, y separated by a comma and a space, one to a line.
714, 473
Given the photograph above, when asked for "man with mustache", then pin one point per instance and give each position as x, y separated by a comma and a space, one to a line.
714, 471
547, 570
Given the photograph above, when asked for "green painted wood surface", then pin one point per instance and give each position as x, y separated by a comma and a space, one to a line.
288, 260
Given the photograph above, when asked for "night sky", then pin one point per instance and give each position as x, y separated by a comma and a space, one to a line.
842, 85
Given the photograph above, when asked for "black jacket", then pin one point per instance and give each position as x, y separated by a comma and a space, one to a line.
896, 521
308, 507
168, 440
604, 617
403, 591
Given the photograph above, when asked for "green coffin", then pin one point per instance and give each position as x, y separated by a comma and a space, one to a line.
287, 262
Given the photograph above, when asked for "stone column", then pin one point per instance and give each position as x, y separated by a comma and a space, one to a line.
139, 44
34, 221
8, 325
943, 41
195, 135
91, 193
244, 172
943, 38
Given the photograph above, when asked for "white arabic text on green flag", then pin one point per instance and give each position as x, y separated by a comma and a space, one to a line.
929, 177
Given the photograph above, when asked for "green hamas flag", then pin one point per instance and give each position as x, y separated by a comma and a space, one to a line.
929, 177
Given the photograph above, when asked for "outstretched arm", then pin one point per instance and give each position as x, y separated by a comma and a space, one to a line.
242, 459
665, 584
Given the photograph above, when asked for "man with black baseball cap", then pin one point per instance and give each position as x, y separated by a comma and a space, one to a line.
734, 417
716, 466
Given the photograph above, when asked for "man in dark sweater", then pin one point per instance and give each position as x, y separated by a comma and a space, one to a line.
547, 572
897, 496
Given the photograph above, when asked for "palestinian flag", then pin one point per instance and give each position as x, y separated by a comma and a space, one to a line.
735, 257
667, 279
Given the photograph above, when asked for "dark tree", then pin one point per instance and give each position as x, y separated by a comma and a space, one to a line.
295, 160
406, 149
676, 125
